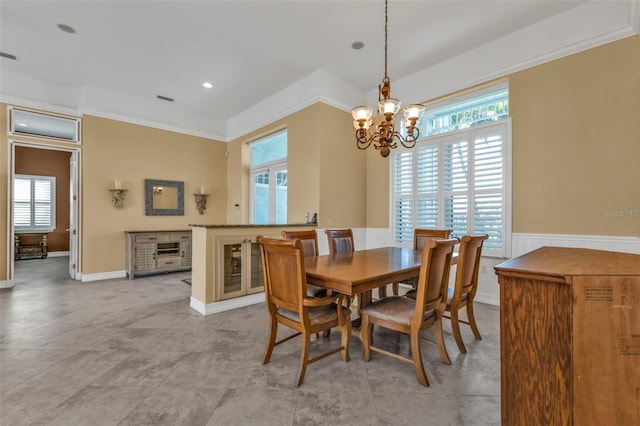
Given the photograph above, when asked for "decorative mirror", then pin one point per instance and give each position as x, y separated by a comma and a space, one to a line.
164, 197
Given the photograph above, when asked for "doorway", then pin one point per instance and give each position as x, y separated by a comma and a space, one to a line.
62, 163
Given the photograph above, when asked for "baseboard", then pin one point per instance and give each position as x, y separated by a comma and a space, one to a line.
6, 284
58, 254
488, 299
104, 276
226, 305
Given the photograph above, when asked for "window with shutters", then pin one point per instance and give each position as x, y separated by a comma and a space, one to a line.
456, 180
34, 203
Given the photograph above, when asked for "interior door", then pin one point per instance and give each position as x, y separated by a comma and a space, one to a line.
73, 215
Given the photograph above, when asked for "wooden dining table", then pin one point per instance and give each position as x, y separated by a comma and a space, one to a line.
361, 271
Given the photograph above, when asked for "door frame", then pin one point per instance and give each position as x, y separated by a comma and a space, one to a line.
75, 257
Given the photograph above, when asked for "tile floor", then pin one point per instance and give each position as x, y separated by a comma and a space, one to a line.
122, 352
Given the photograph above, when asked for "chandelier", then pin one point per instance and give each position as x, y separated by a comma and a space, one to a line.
385, 135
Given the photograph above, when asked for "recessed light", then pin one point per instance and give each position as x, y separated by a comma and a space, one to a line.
66, 28
357, 45
207, 85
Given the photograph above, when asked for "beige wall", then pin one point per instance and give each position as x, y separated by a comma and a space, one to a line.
576, 143
326, 171
576, 146
132, 153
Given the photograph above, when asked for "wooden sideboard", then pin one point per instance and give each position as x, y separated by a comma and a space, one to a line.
152, 252
570, 338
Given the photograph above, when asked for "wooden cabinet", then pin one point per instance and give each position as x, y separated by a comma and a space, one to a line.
570, 338
239, 267
30, 246
152, 252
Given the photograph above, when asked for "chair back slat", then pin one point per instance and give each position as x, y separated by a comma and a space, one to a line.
309, 240
340, 240
421, 236
284, 273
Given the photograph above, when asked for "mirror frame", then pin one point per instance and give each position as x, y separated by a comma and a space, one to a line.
148, 197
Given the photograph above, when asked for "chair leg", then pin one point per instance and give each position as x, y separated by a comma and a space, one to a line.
417, 357
395, 287
273, 331
304, 358
472, 320
455, 326
366, 332
440, 341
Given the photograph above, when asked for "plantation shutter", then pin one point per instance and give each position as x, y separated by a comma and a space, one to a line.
33, 203
403, 196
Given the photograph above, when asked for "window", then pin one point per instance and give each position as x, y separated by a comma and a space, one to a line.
456, 179
269, 180
34, 203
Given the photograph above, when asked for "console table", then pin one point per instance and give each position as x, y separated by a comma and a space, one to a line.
570, 337
152, 252
30, 246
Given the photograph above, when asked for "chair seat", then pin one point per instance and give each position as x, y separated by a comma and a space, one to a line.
396, 309
317, 314
315, 291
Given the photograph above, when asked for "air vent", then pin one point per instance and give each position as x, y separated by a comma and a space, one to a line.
164, 98
8, 56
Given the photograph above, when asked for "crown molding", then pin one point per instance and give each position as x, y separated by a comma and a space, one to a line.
153, 124
30, 104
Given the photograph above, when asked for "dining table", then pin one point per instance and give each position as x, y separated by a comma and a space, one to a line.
361, 271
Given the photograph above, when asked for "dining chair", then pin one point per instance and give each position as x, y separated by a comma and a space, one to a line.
420, 238
465, 286
288, 304
340, 240
309, 241
411, 316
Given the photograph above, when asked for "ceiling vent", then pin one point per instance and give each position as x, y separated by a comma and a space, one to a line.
8, 56
164, 98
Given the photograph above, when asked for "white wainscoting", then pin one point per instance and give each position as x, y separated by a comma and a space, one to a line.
488, 289
524, 243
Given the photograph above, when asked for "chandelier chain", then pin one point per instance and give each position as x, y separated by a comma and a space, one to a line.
386, 25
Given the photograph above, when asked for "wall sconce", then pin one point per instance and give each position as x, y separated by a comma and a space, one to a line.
201, 201
118, 194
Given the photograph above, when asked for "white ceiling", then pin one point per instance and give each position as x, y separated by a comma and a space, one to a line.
125, 53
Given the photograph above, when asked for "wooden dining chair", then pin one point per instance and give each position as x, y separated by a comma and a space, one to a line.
411, 316
288, 304
309, 241
420, 238
465, 286
340, 240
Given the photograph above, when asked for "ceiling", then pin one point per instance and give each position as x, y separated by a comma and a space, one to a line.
126, 53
